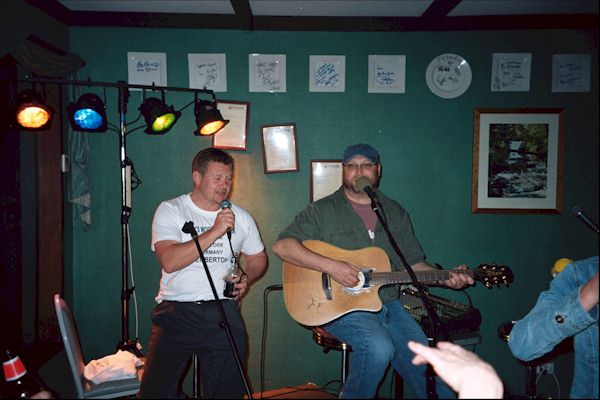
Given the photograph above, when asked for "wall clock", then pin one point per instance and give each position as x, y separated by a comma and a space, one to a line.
448, 75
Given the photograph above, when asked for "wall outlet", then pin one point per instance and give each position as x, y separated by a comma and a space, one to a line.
543, 369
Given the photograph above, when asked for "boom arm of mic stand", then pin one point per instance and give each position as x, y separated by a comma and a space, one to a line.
224, 324
433, 317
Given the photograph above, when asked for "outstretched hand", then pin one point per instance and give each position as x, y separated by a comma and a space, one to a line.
461, 369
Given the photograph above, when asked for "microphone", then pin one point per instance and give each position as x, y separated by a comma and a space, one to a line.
578, 212
227, 204
188, 227
559, 265
364, 184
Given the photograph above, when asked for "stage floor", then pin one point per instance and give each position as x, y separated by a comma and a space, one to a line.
307, 391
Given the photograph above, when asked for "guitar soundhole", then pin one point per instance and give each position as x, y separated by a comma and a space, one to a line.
362, 282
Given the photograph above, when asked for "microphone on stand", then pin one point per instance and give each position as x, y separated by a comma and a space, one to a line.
578, 212
559, 265
188, 227
227, 204
364, 184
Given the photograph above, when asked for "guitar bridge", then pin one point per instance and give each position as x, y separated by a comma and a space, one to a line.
326, 283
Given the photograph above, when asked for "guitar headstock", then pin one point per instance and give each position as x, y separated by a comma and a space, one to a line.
493, 274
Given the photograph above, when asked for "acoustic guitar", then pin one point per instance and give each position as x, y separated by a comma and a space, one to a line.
313, 298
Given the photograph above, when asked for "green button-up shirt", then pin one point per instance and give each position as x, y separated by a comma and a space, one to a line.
332, 219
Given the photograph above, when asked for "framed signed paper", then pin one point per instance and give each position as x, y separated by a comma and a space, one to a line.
325, 178
267, 73
386, 74
233, 136
518, 161
327, 74
208, 71
571, 73
511, 72
146, 69
280, 153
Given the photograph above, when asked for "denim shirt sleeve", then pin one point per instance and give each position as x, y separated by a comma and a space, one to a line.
558, 314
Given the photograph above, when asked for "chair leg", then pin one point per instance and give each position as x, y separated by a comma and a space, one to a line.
344, 364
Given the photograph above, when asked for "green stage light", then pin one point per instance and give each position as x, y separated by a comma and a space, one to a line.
159, 118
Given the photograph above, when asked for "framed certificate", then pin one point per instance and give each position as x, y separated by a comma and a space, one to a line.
280, 153
234, 135
325, 178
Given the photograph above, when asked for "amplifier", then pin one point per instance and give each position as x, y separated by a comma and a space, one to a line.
455, 318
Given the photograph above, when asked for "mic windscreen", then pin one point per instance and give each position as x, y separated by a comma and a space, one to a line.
362, 183
576, 211
559, 265
225, 204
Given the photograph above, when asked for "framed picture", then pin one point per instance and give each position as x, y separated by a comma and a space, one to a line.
234, 135
280, 153
208, 71
518, 161
386, 74
146, 69
325, 178
327, 74
267, 73
511, 72
571, 73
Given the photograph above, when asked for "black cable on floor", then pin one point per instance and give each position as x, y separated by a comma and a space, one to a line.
264, 335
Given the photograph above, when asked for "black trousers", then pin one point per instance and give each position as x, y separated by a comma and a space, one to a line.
181, 329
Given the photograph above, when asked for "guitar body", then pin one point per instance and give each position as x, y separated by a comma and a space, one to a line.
305, 294
313, 298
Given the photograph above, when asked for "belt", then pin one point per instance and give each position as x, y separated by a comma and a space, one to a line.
203, 301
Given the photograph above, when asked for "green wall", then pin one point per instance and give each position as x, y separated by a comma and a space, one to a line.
426, 146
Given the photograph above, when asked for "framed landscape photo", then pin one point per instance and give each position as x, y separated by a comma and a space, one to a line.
280, 152
325, 178
233, 136
518, 161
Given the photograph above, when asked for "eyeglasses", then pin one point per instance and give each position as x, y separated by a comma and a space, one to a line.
356, 167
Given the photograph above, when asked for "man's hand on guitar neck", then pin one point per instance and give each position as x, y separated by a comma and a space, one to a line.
455, 281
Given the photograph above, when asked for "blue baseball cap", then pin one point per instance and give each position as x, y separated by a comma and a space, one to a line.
361, 149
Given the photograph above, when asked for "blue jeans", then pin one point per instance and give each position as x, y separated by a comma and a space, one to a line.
378, 339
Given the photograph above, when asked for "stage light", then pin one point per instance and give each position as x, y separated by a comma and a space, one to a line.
88, 114
31, 112
159, 118
208, 118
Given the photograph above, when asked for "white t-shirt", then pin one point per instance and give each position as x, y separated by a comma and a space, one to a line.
191, 283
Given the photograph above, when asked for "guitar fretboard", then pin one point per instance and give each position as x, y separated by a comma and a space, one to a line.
386, 278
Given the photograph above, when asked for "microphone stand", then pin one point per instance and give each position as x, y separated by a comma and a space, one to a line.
188, 227
433, 317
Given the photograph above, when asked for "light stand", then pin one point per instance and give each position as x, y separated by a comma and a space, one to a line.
125, 343
433, 317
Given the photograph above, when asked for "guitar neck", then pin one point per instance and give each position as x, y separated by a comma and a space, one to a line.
386, 278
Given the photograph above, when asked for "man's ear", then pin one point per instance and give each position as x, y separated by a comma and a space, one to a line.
197, 177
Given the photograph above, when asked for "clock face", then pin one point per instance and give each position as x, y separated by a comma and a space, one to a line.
448, 76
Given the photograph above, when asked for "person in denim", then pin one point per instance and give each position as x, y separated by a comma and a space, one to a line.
568, 308
345, 219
